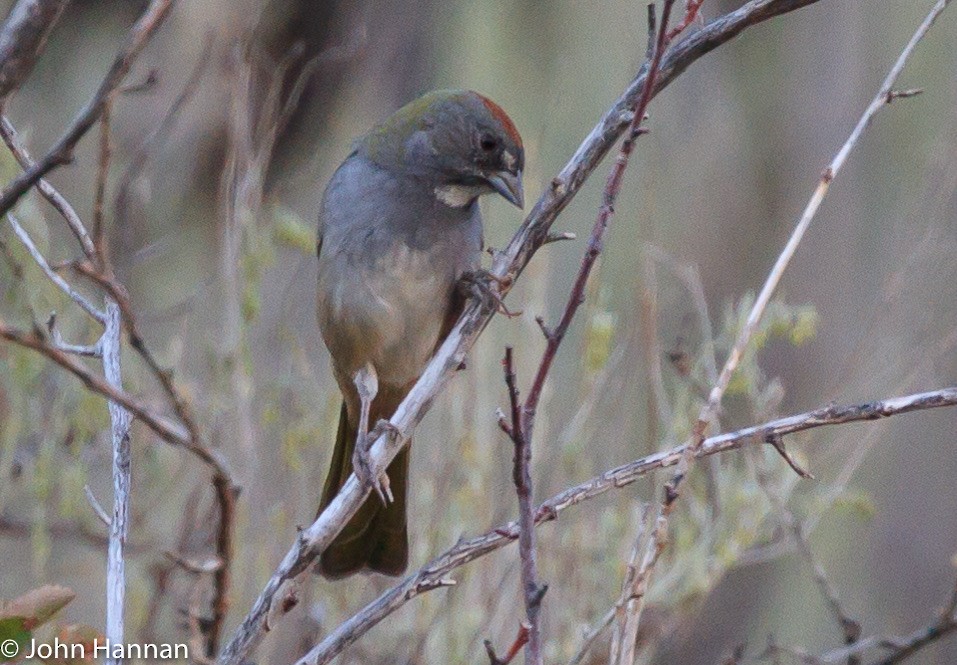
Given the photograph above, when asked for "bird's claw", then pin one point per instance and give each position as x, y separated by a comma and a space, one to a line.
367, 476
381, 427
478, 284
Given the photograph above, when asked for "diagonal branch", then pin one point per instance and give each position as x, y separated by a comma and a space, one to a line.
897, 649
22, 39
427, 577
533, 233
659, 537
57, 200
850, 628
51, 274
62, 152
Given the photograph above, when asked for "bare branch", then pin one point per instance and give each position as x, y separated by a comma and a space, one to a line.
22, 39
165, 429
473, 548
192, 566
521, 639
89, 351
51, 274
120, 422
62, 151
139, 159
591, 636
12, 139
879, 101
627, 609
223, 487
532, 592
507, 265
898, 649
850, 628
102, 172
659, 539
96, 506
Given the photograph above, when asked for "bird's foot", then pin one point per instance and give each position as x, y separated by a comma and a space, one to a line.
381, 427
368, 476
485, 287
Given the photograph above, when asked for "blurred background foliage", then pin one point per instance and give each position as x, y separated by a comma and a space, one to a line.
212, 229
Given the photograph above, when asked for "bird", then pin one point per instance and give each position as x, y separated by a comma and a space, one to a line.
399, 246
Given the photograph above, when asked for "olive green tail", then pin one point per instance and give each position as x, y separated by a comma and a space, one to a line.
376, 538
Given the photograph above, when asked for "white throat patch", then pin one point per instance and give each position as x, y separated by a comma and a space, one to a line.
457, 196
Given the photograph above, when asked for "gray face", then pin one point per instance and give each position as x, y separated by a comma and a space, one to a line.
456, 139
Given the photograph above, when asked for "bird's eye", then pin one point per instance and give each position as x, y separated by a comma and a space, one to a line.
488, 143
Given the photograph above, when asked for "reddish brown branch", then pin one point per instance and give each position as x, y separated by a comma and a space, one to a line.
521, 639
691, 13
532, 592
554, 336
523, 417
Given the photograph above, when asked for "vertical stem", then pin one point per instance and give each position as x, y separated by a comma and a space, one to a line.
120, 436
521, 433
526, 545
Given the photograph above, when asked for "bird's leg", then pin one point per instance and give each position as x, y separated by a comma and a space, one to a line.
478, 284
367, 385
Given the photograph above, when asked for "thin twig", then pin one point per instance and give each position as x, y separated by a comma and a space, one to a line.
62, 152
162, 130
709, 411
193, 566
900, 648
879, 101
521, 639
57, 200
52, 275
605, 213
532, 592
22, 39
96, 506
167, 430
850, 628
494, 539
625, 635
102, 172
523, 416
691, 13
507, 266
117, 291
592, 634
224, 489
97, 267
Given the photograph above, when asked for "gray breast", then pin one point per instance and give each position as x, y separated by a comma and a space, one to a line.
391, 254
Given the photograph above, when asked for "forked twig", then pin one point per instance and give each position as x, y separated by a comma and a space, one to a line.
659, 539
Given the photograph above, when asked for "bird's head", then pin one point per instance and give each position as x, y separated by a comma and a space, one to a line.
463, 144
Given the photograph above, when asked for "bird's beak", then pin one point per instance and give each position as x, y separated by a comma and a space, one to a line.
509, 185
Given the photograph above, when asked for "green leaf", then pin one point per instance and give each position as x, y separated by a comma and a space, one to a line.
13, 628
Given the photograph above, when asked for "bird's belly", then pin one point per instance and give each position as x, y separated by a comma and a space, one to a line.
388, 311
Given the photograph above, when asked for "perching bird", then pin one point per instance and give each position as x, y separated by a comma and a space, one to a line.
399, 229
